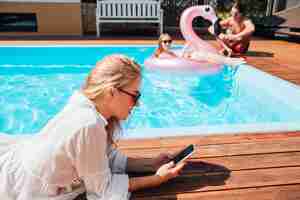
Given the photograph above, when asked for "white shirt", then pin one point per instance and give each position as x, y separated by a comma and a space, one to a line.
72, 146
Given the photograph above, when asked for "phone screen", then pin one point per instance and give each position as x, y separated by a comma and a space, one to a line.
184, 154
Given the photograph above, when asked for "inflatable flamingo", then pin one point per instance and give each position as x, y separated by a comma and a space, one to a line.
186, 27
194, 43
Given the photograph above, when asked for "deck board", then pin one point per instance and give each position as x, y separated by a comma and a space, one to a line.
290, 192
214, 150
244, 162
226, 180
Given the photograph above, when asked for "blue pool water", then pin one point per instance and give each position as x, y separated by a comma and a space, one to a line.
35, 83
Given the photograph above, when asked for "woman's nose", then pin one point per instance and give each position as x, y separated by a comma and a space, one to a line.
137, 104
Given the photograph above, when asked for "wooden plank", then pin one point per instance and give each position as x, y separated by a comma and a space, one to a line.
238, 163
214, 150
203, 140
246, 162
285, 192
226, 181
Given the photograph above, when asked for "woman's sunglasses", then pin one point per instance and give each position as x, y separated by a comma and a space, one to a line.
135, 97
167, 41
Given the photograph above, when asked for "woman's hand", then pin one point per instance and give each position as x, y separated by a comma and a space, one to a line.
169, 171
163, 174
161, 159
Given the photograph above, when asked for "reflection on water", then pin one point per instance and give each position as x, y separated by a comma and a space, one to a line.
211, 90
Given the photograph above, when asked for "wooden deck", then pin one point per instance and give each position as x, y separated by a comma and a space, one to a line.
231, 167
256, 166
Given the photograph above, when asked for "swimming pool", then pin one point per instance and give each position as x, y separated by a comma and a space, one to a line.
36, 82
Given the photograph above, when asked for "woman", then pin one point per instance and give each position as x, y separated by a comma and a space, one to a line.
74, 152
164, 44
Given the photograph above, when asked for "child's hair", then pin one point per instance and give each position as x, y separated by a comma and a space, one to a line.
162, 37
239, 6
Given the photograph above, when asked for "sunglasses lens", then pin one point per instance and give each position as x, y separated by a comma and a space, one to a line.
167, 41
137, 97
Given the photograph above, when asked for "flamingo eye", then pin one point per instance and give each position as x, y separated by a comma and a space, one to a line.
207, 9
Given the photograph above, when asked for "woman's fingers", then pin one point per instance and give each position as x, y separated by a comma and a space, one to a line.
179, 166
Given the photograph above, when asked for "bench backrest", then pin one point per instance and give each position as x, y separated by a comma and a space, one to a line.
128, 9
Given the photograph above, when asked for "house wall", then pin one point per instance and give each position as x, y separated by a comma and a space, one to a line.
52, 18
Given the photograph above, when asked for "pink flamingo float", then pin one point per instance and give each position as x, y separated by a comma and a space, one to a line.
208, 60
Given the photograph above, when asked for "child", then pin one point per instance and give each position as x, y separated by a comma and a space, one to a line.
164, 44
238, 32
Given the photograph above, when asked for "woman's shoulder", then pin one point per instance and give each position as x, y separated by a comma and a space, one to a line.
157, 53
78, 113
82, 107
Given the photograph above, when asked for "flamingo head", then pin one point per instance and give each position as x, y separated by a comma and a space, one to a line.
208, 13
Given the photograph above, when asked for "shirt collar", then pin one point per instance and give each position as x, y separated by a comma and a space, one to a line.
79, 97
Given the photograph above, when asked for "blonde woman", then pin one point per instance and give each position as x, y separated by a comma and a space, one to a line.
75, 151
164, 44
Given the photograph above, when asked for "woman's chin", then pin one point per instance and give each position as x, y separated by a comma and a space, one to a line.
124, 117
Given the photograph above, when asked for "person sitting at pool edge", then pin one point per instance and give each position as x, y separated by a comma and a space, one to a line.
164, 44
75, 152
238, 29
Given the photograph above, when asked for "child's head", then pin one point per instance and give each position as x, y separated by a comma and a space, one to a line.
164, 41
238, 9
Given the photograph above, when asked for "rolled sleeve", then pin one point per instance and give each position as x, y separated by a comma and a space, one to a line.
118, 161
115, 189
120, 183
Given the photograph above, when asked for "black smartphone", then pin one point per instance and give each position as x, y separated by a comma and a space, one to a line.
184, 154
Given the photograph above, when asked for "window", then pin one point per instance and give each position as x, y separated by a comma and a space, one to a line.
18, 22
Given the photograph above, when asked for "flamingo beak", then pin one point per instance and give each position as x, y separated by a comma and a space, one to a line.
217, 27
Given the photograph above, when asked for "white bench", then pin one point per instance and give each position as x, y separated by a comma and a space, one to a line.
129, 11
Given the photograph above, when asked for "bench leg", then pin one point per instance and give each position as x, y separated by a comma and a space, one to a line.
98, 28
161, 21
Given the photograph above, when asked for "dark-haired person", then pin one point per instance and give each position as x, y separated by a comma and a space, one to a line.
238, 31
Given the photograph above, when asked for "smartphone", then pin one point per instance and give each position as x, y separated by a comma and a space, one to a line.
184, 154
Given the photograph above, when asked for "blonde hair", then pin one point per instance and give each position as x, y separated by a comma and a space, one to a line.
115, 71
162, 37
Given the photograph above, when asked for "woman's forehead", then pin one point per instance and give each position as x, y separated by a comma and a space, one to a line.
135, 84
166, 38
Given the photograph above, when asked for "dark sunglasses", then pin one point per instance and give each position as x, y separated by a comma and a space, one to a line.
135, 97
167, 41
